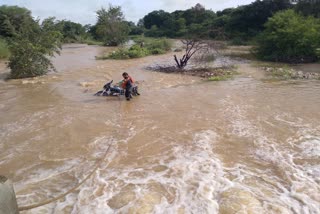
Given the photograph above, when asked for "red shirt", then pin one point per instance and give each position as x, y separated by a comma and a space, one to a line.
124, 83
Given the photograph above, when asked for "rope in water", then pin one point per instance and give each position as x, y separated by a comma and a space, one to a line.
69, 191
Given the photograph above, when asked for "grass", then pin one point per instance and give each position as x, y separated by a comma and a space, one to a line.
220, 78
4, 51
93, 42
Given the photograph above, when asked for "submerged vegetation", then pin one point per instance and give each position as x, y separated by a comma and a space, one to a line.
144, 47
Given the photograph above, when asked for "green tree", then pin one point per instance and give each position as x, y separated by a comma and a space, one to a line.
248, 21
134, 29
13, 19
180, 26
309, 8
111, 27
157, 18
290, 37
31, 50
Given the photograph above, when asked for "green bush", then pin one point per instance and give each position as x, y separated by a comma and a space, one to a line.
93, 42
318, 52
30, 51
4, 51
121, 53
157, 51
289, 37
144, 47
238, 41
220, 78
163, 44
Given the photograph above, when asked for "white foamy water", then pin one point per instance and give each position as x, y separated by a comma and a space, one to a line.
284, 186
190, 178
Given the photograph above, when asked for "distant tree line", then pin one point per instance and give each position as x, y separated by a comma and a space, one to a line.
240, 24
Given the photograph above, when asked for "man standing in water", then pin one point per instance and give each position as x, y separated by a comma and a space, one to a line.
127, 85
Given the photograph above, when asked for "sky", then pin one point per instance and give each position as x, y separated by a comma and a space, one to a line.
83, 11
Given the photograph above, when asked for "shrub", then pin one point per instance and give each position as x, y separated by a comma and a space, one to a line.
157, 51
121, 53
30, 51
163, 44
4, 51
150, 46
289, 37
238, 41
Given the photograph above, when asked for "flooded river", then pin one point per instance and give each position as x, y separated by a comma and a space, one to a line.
246, 145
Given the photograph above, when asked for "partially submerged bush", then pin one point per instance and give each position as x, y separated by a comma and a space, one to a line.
134, 51
121, 53
152, 47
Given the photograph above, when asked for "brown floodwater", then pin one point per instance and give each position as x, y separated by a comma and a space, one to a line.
245, 145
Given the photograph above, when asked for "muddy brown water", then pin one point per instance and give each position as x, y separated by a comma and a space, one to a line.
246, 145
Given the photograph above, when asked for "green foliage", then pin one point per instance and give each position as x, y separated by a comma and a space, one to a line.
157, 51
4, 50
220, 78
247, 21
121, 53
71, 32
290, 37
144, 47
30, 51
111, 27
179, 23
242, 23
13, 20
90, 41
156, 18
158, 45
238, 41
135, 30
309, 7
222, 74
318, 52
134, 52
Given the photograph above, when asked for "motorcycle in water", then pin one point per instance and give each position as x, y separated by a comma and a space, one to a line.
109, 90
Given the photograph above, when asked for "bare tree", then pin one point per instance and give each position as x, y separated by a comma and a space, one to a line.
197, 44
192, 46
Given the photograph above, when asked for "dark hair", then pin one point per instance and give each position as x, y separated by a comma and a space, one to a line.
125, 74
